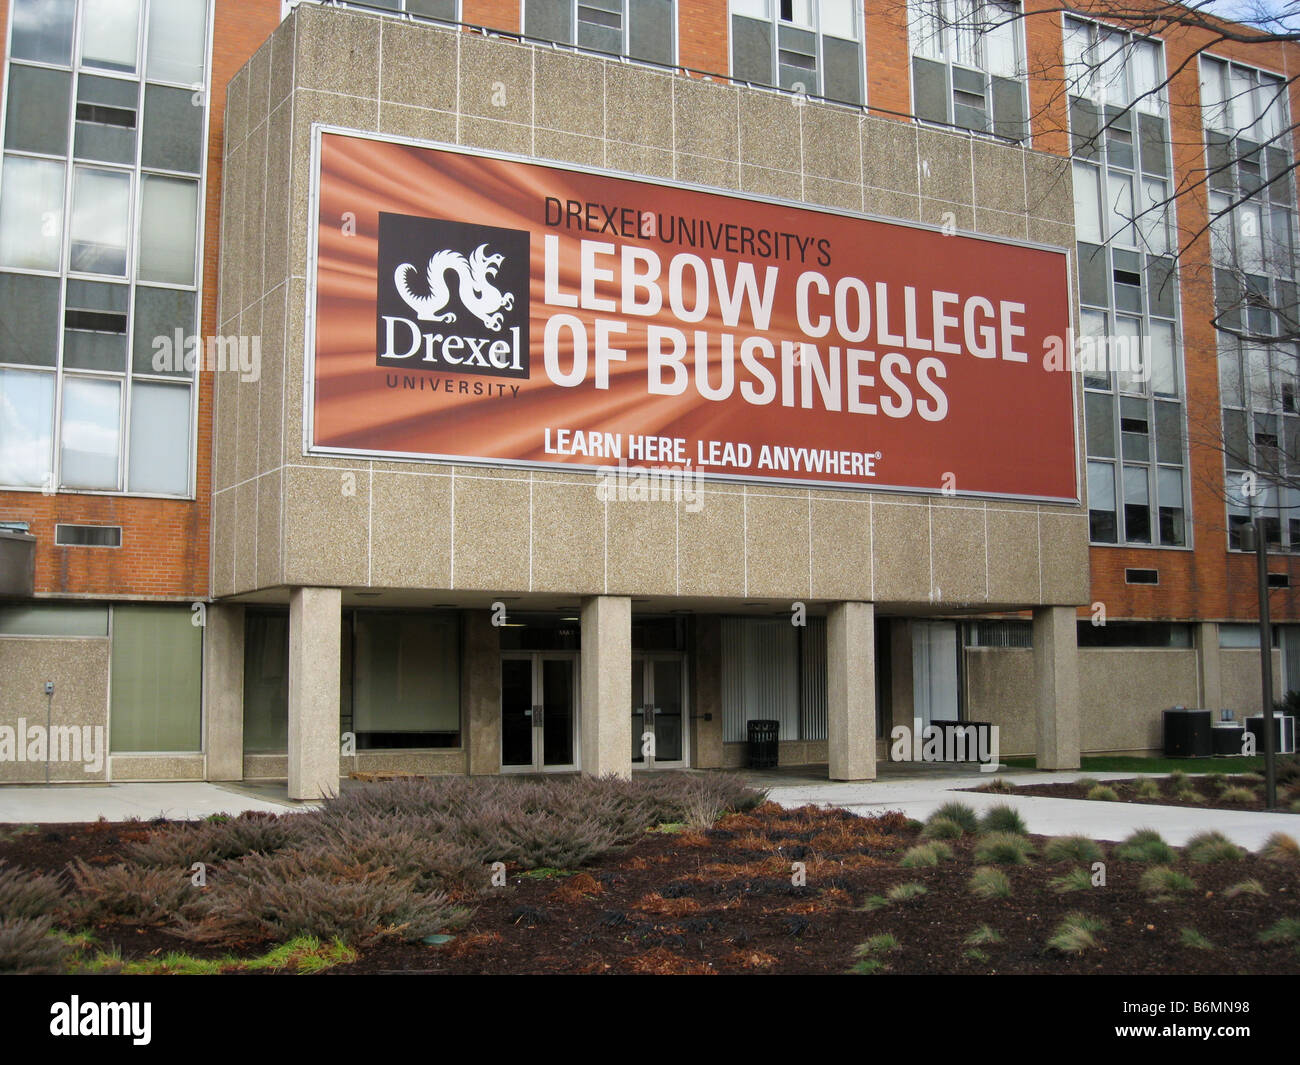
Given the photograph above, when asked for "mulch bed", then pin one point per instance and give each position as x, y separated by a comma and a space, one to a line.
1126, 791
722, 901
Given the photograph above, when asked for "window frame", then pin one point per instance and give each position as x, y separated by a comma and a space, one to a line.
773, 18
63, 273
623, 55
1288, 542
949, 62
1100, 164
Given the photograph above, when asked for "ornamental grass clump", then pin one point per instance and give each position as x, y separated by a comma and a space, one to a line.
1003, 818
1146, 845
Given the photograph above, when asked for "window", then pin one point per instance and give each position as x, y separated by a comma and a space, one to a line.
807, 46
772, 670
1128, 349
399, 679
156, 689
640, 29
1253, 245
968, 65
100, 187
1135, 634
1018, 634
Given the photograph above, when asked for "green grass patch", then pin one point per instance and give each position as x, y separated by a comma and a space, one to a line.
988, 882
1075, 880
1283, 930
1238, 795
1190, 937
1148, 789
1072, 849
1206, 847
941, 828
1162, 882
545, 872
1003, 848
909, 892
303, 955
873, 902
1105, 763
960, 814
1146, 845
1279, 847
983, 936
1245, 887
925, 855
1076, 934
1102, 793
1003, 818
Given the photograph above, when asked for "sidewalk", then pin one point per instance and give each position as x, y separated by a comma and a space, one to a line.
182, 801
919, 798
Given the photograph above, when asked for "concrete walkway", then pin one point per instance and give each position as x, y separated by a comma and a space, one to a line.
62, 803
919, 798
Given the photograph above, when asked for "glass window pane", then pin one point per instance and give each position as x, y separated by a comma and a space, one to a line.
1148, 73
837, 19
110, 34
101, 205
42, 30
1214, 112
1001, 42
266, 681
1101, 502
1127, 356
1164, 373
1094, 275
51, 619
90, 434
1087, 203
168, 227
26, 427
178, 39
156, 670
1119, 197
1154, 219
31, 213
1169, 433
29, 319
1137, 505
106, 119
173, 130
159, 313
649, 31
1094, 356
1100, 411
36, 111
94, 336
407, 675
160, 439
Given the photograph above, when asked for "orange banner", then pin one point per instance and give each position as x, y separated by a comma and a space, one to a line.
484, 309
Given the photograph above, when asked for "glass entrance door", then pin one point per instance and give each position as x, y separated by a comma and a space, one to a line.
659, 711
539, 703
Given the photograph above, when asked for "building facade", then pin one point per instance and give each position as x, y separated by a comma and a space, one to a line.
236, 575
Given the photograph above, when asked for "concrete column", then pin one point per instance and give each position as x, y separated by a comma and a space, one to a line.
1209, 667
705, 696
851, 691
605, 720
1056, 673
314, 634
223, 690
482, 672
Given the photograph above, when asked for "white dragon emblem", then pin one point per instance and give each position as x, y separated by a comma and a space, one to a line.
480, 297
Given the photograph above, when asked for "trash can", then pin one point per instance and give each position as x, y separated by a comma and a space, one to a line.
763, 738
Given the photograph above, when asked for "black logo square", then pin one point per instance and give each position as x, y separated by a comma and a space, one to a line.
453, 296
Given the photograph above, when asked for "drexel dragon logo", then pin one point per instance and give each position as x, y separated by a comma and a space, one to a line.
477, 293
466, 287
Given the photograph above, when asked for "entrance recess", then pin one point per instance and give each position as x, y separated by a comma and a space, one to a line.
539, 712
659, 732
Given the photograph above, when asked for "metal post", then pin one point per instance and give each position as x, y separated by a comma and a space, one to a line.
1265, 660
